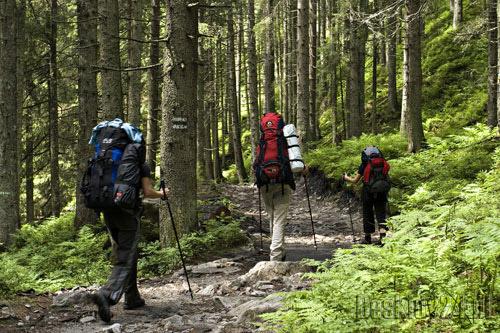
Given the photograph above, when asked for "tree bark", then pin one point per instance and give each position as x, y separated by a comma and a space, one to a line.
231, 99
313, 53
252, 79
269, 79
178, 131
87, 98
154, 97
403, 127
109, 45
414, 36
200, 156
21, 86
392, 95
457, 14
55, 188
492, 63
136, 8
9, 202
498, 68
214, 119
303, 127
374, 85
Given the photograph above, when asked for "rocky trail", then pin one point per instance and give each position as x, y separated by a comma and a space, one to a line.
229, 293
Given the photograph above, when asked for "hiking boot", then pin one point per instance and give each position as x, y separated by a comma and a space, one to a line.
103, 306
367, 240
134, 304
133, 300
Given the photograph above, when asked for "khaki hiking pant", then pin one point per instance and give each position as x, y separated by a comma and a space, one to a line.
277, 199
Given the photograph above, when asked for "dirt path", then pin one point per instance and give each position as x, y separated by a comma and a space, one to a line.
229, 292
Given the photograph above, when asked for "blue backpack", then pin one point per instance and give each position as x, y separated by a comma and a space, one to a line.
112, 177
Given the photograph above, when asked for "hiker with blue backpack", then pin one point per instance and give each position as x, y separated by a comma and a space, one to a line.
111, 185
374, 170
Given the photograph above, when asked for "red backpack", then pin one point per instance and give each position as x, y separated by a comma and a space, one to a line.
272, 165
376, 173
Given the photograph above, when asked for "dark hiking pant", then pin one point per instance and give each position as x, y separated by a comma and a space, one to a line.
373, 202
124, 233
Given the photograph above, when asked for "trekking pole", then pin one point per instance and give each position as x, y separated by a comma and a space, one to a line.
310, 212
349, 209
260, 220
162, 186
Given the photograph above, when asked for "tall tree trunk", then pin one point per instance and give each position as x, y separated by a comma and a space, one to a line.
178, 131
55, 189
303, 70
374, 85
136, 8
154, 98
231, 98
313, 53
403, 127
200, 124
239, 57
252, 79
21, 86
9, 201
87, 97
292, 17
414, 36
492, 63
354, 125
214, 119
457, 13
109, 45
392, 95
498, 68
269, 100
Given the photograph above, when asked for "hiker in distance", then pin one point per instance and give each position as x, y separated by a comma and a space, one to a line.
274, 176
111, 185
374, 170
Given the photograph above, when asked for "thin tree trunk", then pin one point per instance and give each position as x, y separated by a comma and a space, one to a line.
136, 8
293, 60
200, 124
403, 127
21, 86
232, 107
109, 46
313, 53
214, 119
354, 125
492, 63
457, 14
9, 201
414, 36
87, 98
154, 96
252, 79
498, 68
55, 189
392, 96
269, 79
178, 131
374, 86
303, 127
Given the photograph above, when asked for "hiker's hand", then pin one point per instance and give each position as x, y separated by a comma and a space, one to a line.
164, 195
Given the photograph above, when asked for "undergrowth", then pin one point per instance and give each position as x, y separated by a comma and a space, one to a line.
53, 255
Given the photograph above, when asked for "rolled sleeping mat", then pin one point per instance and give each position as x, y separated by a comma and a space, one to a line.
294, 154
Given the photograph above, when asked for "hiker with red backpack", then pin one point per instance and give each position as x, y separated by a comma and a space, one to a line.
111, 185
274, 179
374, 170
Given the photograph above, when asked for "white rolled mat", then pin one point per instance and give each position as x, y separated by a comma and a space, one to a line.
294, 154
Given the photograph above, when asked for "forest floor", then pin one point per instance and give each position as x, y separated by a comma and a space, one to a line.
229, 292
